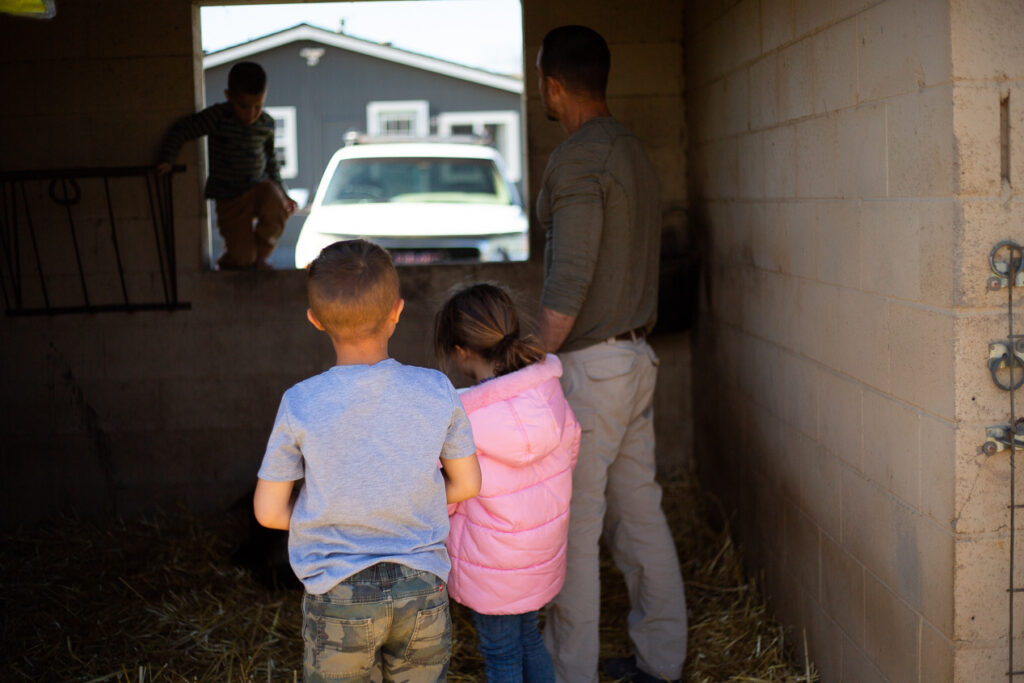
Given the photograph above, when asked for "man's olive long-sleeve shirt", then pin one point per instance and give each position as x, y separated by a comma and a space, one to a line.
601, 212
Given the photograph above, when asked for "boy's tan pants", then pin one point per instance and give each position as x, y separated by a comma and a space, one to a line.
244, 245
610, 387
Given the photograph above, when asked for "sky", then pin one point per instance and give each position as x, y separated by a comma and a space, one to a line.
486, 34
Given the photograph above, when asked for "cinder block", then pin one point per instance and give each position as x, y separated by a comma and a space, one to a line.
816, 157
763, 87
820, 488
862, 152
938, 470
722, 169
983, 662
780, 162
986, 40
984, 224
735, 115
798, 239
657, 120
796, 75
869, 518
923, 358
835, 65
777, 317
764, 235
839, 243
777, 23
887, 63
920, 143
976, 126
891, 449
750, 163
857, 666
840, 428
824, 640
810, 16
981, 581
842, 589
802, 549
742, 35
814, 322
646, 69
863, 345
936, 656
978, 399
799, 393
891, 626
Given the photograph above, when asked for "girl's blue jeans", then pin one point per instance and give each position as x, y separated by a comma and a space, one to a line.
512, 648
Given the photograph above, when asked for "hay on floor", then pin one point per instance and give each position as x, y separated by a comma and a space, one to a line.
157, 599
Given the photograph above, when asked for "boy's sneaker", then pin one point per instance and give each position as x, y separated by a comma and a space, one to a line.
625, 669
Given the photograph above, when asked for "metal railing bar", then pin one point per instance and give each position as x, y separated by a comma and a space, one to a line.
35, 251
74, 237
113, 239
1013, 471
101, 308
82, 172
157, 236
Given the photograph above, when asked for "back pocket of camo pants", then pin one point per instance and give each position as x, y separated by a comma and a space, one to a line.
431, 641
339, 647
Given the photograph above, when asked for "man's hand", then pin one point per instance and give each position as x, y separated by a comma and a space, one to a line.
163, 168
553, 327
290, 205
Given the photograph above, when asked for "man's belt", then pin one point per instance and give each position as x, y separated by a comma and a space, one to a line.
633, 335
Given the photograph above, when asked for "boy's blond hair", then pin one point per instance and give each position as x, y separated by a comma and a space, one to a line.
352, 288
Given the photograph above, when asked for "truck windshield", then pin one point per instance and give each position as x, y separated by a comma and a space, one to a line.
436, 180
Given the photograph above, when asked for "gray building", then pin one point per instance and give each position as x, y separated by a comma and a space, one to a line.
322, 85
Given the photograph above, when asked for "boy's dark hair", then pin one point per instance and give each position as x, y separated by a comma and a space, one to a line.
578, 57
483, 318
248, 78
352, 288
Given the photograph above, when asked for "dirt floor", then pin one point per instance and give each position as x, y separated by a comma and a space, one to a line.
160, 599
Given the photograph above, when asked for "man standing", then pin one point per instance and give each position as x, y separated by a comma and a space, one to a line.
601, 213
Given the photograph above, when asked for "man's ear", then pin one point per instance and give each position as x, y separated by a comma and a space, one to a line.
312, 319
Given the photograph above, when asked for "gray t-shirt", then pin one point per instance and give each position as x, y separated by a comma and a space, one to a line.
367, 439
601, 213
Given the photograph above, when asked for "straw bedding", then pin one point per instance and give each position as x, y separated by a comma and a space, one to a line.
159, 599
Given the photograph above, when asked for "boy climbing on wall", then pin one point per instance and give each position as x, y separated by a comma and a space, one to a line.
245, 181
367, 530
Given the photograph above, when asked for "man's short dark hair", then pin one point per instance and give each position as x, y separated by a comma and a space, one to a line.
578, 57
248, 78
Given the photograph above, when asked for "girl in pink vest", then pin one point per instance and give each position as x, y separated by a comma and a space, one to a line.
507, 545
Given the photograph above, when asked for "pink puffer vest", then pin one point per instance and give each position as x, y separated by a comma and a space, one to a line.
508, 544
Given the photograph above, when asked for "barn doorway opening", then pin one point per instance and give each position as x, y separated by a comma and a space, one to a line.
399, 121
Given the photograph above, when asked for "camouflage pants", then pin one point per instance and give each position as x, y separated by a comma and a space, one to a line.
386, 623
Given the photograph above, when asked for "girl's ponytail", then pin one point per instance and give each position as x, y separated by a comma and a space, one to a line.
483, 319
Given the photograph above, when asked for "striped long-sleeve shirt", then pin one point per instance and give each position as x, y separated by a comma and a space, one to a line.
240, 155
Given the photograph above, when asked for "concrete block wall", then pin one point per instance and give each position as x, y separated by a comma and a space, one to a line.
823, 175
850, 177
118, 412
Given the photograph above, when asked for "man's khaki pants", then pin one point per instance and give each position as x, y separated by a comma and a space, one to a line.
244, 245
610, 387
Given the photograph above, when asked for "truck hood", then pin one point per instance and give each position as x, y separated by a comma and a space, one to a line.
411, 219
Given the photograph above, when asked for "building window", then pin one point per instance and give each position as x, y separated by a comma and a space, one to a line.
410, 118
500, 127
286, 146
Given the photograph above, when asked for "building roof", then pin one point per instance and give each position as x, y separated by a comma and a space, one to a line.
366, 47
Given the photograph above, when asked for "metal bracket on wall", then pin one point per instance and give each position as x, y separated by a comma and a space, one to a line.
1001, 358
1006, 267
997, 438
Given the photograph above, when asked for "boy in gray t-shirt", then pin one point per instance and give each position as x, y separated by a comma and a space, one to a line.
367, 530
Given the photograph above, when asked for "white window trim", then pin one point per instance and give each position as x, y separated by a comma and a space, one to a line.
289, 166
511, 150
421, 109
